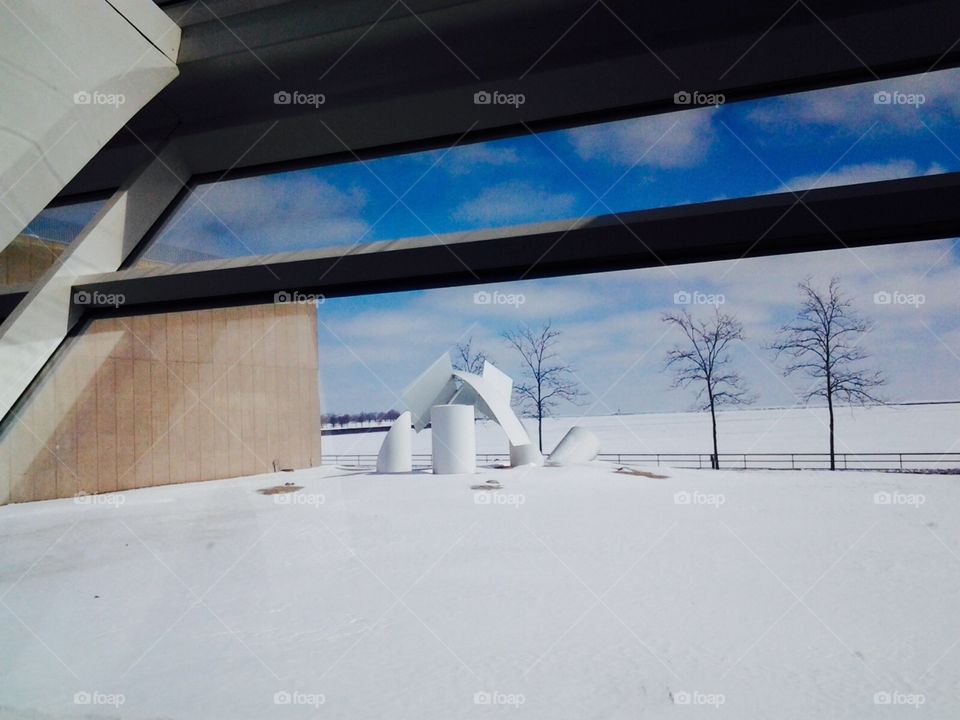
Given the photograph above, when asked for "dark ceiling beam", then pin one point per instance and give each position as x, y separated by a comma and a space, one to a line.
408, 83
893, 211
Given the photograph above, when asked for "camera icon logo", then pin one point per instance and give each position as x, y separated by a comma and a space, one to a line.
81, 297
82, 698
482, 498
883, 97
882, 698
482, 97
481, 698
682, 498
682, 98
282, 698
482, 297
282, 97
282, 297
82, 98
882, 498
682, 698
882, 297
682, 297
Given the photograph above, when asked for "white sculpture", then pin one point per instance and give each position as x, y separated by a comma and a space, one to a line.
395, 454
579, 445
488, 393
454, 439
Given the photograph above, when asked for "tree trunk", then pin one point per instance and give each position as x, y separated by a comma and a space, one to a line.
715, 460
540, 428
833, 463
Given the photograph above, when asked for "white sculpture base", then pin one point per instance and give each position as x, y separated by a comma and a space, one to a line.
395, 454
454, 439
527, 454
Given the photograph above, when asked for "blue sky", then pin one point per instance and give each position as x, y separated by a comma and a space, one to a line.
372, 346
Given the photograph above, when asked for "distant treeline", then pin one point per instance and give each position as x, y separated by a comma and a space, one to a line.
361, 418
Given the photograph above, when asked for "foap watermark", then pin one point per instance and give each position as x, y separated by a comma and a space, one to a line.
695, 497
298, 498
485, 297
297, 697
95, 697
695, 98
100, 299
293, 297
86, 97
895, 697
884, 297
695, 297
495, 97
698, 697
895, 97
914, 500
495, 697
108, 499
498, 498
295, 97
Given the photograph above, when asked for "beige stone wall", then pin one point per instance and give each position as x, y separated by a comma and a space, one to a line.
27, 258
179, 397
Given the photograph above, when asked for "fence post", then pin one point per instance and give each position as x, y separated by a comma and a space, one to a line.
901, 461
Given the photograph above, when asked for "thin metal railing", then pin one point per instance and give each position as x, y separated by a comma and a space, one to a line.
726, 461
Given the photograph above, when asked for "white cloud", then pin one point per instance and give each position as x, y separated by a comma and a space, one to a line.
853, 108
613, 336
462, 159
515, 201
673, 140
862, 173
266, 214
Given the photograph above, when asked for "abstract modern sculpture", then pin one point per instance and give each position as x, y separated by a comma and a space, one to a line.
579, 445
395, 455
429, 398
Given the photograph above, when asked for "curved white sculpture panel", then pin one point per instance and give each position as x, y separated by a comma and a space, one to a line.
577, 446
396, 455
454, 439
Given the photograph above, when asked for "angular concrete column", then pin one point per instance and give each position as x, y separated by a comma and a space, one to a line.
73, 74
34, 330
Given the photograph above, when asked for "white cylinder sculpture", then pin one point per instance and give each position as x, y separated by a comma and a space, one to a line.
577, 446
454, 439
525, 455
395, 454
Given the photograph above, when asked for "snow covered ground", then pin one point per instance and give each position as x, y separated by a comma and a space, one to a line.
891, 428
570, 593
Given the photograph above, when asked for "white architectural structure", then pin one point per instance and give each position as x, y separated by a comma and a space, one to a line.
74, 74
34, 330
395, 454
579, 445
442, 386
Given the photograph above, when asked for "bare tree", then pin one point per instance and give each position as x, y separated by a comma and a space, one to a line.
467, 359
823, 341
705, 360
546, 380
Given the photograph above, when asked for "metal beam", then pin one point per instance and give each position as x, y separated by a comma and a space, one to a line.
399, 77
893, 211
